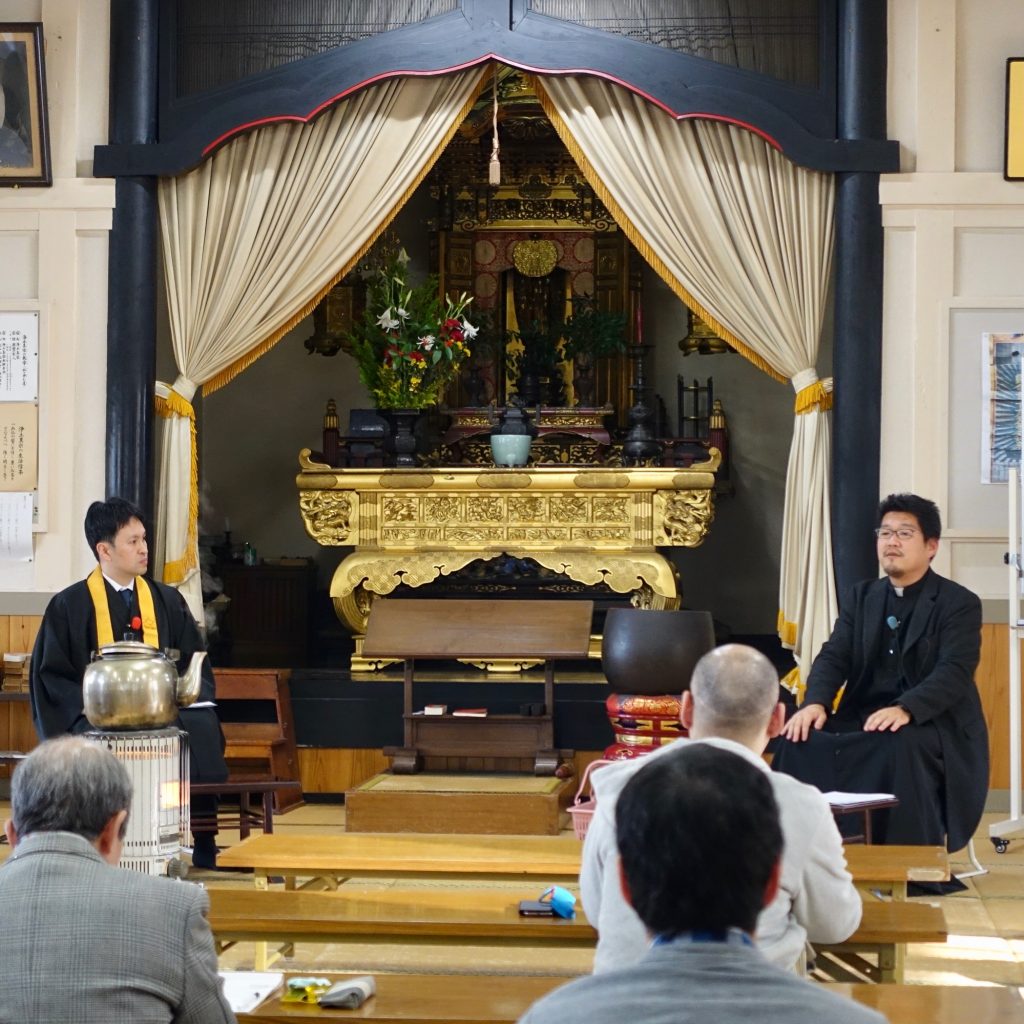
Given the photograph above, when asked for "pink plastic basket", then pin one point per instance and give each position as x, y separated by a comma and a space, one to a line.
584, 804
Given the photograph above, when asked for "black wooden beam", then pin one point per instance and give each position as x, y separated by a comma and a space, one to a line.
131, 278
857, 357
801, 121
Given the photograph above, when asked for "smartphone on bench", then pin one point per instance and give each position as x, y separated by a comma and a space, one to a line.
535, 908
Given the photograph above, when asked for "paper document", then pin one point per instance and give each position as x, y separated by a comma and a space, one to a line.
16, 527
245, 990
837, 799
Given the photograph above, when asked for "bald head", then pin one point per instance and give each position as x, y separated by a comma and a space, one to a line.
735, 691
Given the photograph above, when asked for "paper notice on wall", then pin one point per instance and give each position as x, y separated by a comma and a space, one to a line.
18, 430
16, 527
19, 357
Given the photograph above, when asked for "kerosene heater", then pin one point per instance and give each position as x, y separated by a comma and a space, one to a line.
131, 693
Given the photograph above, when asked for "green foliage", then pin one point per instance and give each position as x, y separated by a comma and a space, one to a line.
593, 332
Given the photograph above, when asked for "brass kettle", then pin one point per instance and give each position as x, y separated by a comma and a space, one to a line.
130, 685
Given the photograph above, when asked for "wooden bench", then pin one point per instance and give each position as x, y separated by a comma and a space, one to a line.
885, 929
255, 709
491, 631
501, 999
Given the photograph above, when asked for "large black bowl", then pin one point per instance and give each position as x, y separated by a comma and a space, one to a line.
653, 652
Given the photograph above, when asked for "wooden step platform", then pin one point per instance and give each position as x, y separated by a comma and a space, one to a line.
484, 804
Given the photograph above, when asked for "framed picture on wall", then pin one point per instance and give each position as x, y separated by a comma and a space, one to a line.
1013, 166
24, 132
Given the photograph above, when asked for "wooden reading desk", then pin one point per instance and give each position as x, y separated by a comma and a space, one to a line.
491, 631
536, 860
889, 868
541, 858
500, 999
477, 915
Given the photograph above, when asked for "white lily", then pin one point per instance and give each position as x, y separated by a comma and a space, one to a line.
386, 320
427, 342
469, 330
403, 314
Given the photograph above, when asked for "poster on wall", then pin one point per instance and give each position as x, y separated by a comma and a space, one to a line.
1001, 356
19, 357
18, 446
16, 527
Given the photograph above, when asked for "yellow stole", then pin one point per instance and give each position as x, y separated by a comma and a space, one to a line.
98, 593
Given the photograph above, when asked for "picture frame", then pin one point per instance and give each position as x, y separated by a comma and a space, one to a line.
24, 127
1013, 155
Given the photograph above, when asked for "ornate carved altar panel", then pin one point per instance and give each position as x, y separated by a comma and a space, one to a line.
593, 525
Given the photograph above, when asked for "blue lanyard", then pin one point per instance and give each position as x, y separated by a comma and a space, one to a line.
730, 936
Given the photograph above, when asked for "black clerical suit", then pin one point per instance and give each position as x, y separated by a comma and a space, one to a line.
938, 764
63, 649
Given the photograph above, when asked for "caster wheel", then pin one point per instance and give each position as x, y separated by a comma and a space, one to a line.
1001, 845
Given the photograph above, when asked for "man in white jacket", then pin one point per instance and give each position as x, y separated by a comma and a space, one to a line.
732, 703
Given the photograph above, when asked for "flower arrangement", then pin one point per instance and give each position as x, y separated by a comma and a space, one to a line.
410, 342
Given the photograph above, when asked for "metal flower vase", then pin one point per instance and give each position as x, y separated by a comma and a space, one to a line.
401, 444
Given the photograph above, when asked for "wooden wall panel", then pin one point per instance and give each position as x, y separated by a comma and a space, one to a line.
994, 687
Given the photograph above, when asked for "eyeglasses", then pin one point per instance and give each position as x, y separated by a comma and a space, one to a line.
887, 532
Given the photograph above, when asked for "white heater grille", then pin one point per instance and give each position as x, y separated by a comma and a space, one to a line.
158, 824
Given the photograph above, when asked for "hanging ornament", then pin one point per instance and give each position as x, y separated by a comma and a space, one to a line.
494, 167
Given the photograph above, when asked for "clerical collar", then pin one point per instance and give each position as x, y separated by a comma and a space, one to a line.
912, 589
117, 586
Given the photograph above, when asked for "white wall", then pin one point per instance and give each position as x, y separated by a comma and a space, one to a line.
954, 248
53, 251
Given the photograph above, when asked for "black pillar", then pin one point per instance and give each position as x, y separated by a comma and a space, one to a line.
857, 356
131, 282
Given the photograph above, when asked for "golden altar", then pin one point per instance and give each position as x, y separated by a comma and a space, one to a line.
594, 525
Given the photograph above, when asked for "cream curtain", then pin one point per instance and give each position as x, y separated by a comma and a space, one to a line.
744, 237
257, 234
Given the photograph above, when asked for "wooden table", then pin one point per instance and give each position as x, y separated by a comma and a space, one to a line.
540, 858
483, 999
396, 916
471, 916
889, 868
248, 817
537, 860
864, 809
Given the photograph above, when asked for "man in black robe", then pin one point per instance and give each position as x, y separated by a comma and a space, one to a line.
114, 601
909, 721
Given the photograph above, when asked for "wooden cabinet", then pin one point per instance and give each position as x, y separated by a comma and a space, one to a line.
267, 624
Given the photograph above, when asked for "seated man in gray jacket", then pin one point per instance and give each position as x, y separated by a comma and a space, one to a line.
700, 843
732, 703
83, 940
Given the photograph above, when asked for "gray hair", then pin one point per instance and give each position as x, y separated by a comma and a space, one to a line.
735, 689
68, 785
